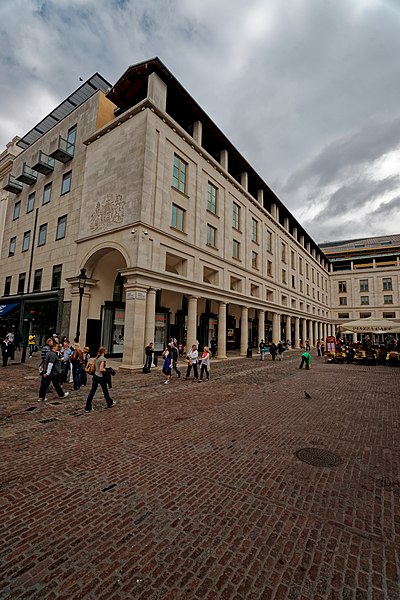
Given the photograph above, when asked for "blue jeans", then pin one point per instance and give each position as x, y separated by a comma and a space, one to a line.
149, 360
98, 381
76, 374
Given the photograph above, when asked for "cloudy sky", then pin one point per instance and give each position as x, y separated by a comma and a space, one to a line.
307, 90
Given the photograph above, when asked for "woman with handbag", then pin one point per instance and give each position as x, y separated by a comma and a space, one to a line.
192, 357
99, 380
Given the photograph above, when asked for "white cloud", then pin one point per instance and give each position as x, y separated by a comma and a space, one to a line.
302, 88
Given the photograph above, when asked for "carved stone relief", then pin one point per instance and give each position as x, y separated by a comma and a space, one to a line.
109, 211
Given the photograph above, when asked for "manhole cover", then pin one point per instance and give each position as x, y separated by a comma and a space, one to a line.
318, 457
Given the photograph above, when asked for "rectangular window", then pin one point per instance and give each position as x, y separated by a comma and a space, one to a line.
178, 217
254, 230
388, 299
66, 183
71, 140
179, 177
269, 241
37, 280
235, 249
7, 286
31, 203
212, 193
301, 286
11, 247
269, 268
46, 194
26, 240
211, 236
307, 271
364, 285
387, 283
343, 301
343, 315
236, 216
17, 210
342, 287
254, 260
389, 315
42, 235
364, 299
61, 227
56, 277
293, 259
300, 265
313, 275
283, 252
284, 276
293, 282
21, 283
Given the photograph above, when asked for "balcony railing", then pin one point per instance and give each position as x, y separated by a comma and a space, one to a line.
44, 164
28, 175
64, 150
11, 184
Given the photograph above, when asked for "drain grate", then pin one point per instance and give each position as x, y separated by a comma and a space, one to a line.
318, 457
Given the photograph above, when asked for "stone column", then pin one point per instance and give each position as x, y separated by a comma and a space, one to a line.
221, 349
304, 331
135, 318
288, 328
191, 322
276, 327
244, 330
261, 325
150, 316
311, 332
315, 332
296, 332
354, 338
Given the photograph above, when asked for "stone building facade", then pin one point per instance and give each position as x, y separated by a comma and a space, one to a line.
364, 278
178, 235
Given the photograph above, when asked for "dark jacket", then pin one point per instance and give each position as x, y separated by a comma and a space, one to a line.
52, 358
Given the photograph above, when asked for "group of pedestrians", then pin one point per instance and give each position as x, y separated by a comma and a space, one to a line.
170, 358
63, 363
274, 349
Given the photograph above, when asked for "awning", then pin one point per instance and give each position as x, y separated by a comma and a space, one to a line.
5, 309
371, 325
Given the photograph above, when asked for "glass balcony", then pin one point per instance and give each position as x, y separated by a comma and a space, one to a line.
28, 175
11, 184
44, 164
64, 150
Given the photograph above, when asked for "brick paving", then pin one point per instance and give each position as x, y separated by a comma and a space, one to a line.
194, 491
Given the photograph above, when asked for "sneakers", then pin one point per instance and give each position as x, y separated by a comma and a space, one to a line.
114, 402
66, 394
41, 399
88, 411
166, 381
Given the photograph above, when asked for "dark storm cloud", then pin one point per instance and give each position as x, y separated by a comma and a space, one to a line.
345, 156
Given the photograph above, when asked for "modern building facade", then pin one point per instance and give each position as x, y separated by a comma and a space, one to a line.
178, 234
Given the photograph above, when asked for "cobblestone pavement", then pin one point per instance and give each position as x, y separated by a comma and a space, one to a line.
194, 491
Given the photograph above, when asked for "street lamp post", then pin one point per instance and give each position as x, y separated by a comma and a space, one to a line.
82, 277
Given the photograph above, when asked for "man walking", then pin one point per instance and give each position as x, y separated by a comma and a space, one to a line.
51, 372
174, 356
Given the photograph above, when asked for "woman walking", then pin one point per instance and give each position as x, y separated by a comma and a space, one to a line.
205, 364
192, 357
167, 365
76, 360
85, 361
99, 380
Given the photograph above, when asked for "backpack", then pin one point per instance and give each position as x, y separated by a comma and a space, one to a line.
91, 368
